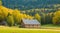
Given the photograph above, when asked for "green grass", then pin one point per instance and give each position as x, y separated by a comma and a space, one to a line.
51, 25
26, 30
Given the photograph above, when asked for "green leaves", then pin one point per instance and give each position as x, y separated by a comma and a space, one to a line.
10, 20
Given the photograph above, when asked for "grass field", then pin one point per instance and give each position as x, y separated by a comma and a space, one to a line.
50, 26
25, 30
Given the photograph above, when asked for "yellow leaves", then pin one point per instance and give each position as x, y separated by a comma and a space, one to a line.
18, 16
58, 13
30, 17
24, 16
56, 18
37, 16
14, 13
10, 11
0, 12
3, 11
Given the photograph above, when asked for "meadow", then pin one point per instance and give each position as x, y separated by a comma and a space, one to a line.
4, 29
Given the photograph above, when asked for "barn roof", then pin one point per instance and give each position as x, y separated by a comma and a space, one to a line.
27, 21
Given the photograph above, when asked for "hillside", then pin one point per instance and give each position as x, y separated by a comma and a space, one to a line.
30, 4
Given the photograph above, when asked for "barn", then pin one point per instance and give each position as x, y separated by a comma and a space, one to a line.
27, 23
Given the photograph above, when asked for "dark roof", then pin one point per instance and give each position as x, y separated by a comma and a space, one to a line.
27, 21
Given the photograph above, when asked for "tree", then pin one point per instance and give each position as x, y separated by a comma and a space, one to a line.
17, 16
43, 18
10, 20
56, 18
48, 19
38, 17
3, 13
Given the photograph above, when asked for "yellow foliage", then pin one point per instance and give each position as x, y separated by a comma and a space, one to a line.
3, 11
37, 16
15, 13
56, 18
10, 11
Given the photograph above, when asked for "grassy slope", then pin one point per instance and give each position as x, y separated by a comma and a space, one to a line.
22, 30
51, 26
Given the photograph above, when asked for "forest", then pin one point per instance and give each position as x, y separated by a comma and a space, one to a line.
29, 16
43, 15
31, 4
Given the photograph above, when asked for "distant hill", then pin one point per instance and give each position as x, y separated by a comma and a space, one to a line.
29, 4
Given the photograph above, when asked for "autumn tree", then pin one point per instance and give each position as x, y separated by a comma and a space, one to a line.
27, 16
3, 13
56, 18
38, 17
17, 16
